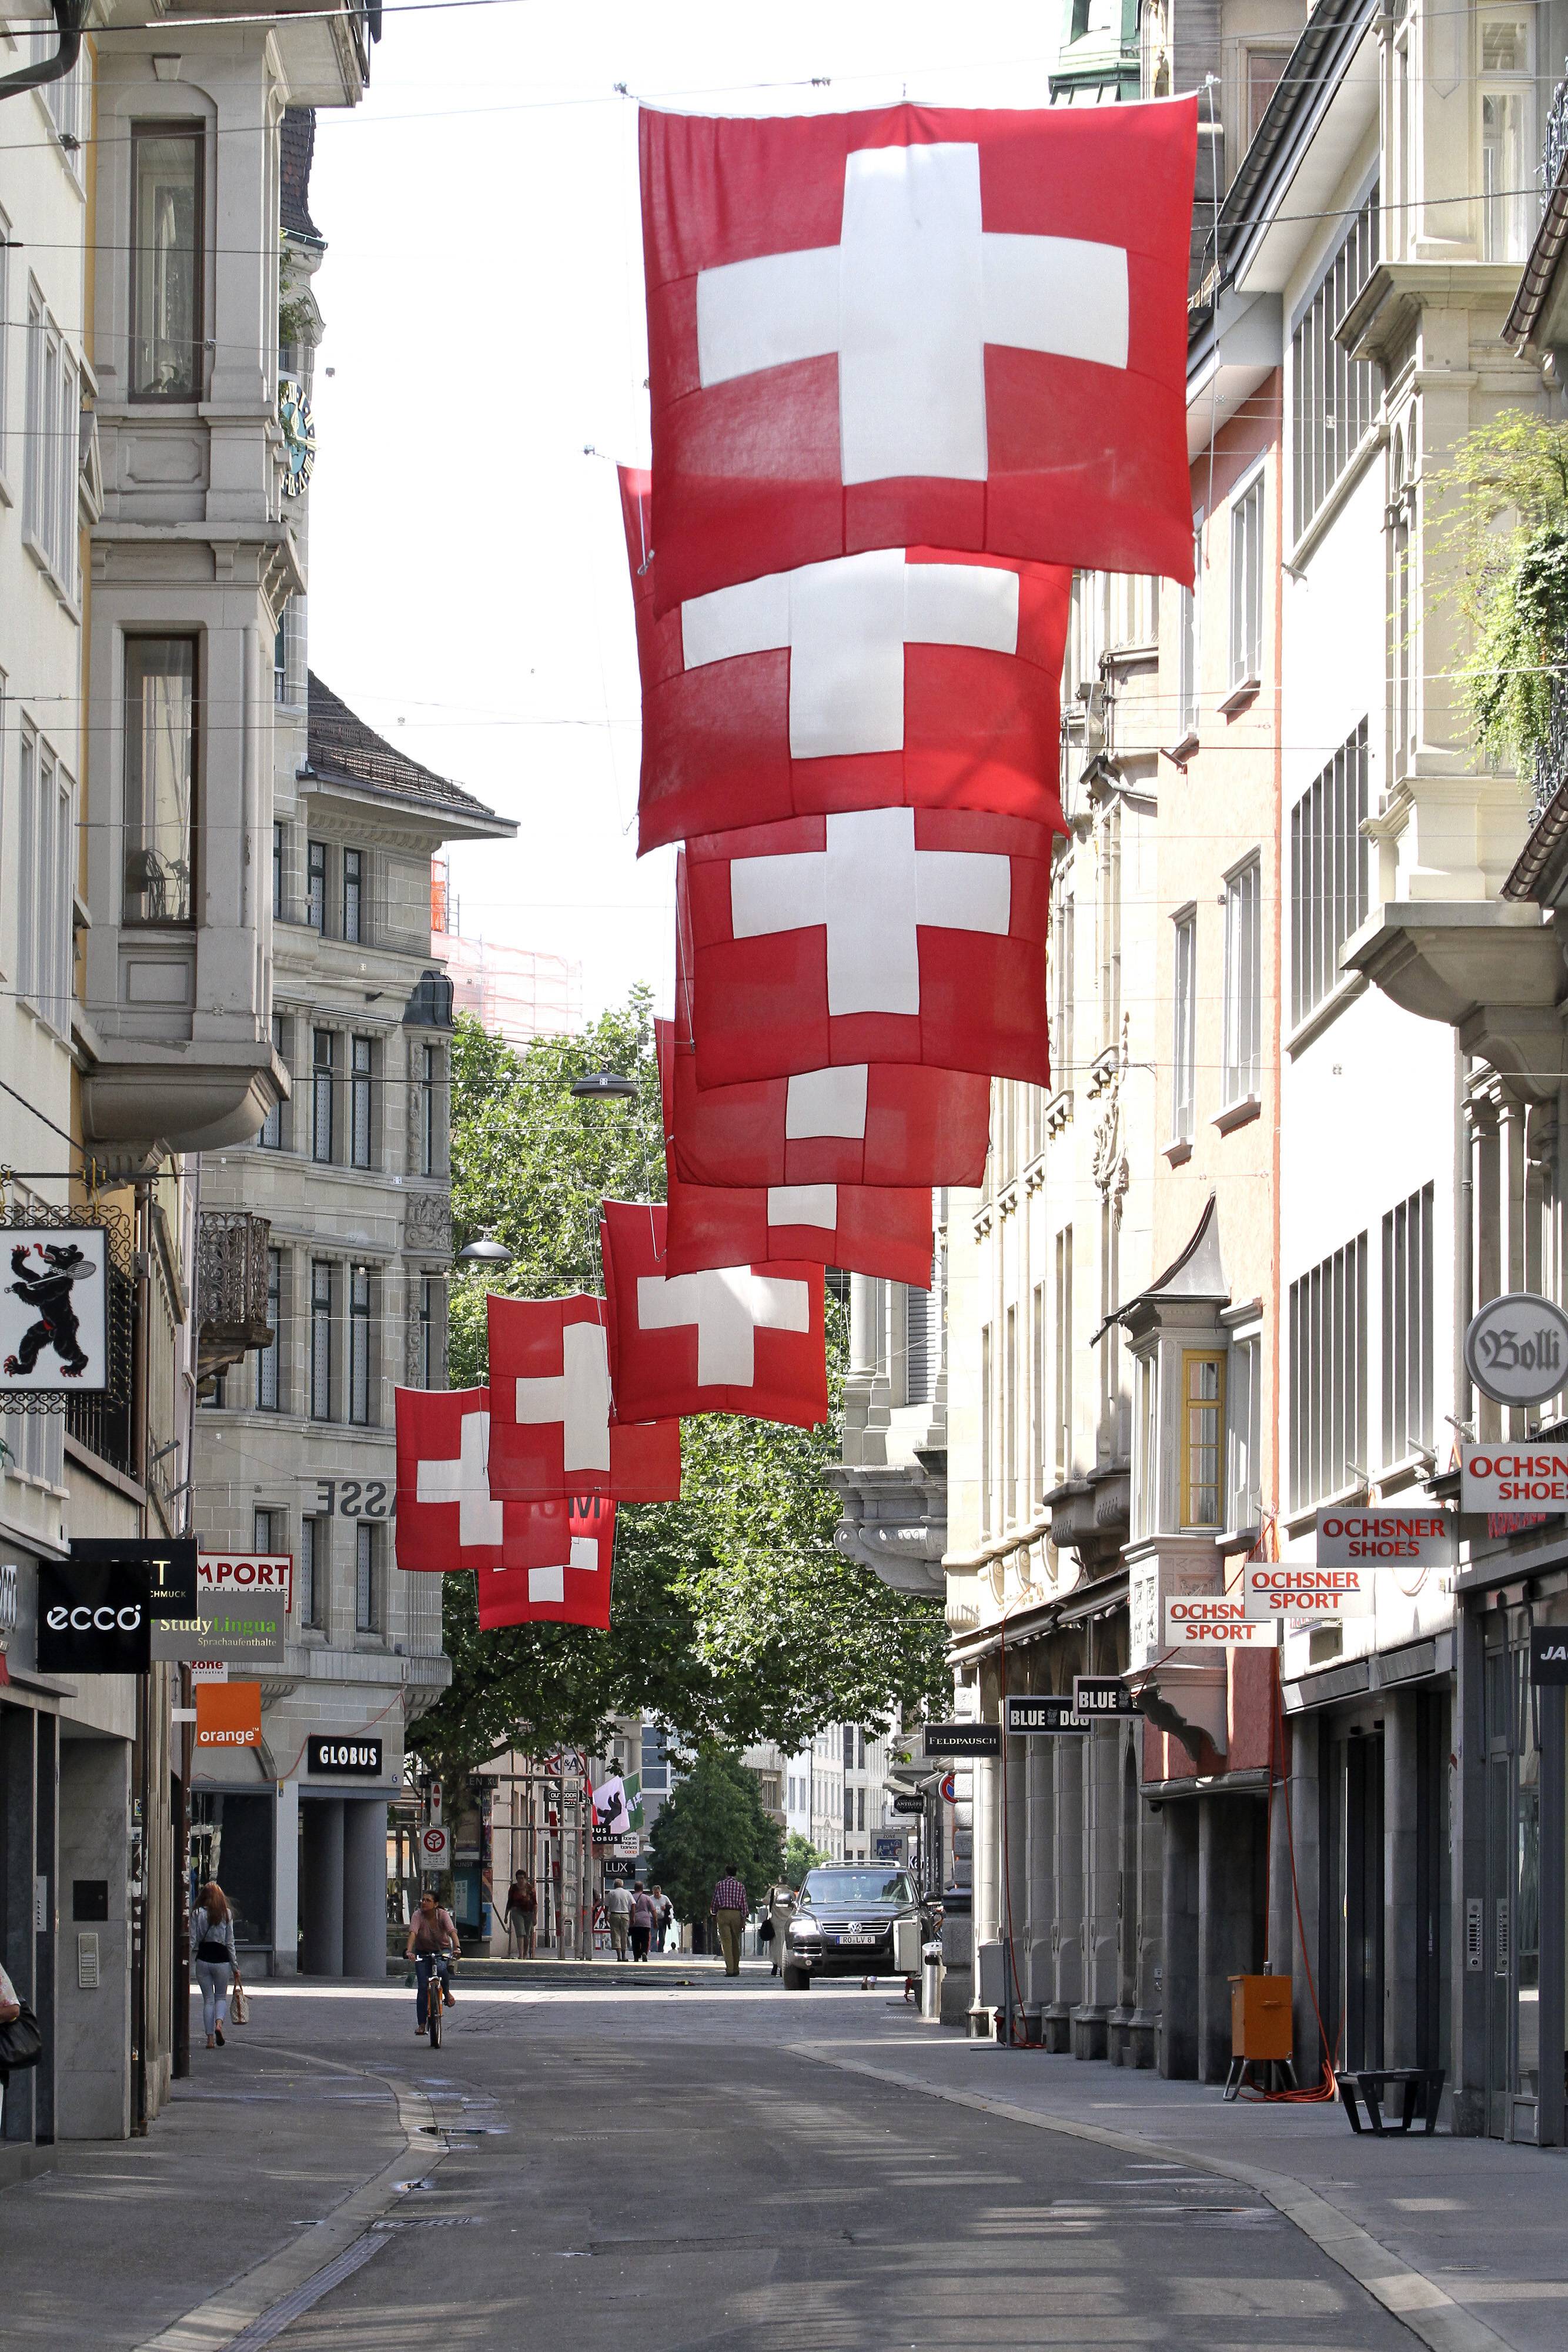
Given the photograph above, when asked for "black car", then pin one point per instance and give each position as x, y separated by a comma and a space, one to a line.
853, 1919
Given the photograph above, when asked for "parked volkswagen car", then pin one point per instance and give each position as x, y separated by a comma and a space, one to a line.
853, 1919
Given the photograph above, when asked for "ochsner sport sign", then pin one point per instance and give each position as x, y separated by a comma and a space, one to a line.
1276, 1589
1209, 1620
1501, 1478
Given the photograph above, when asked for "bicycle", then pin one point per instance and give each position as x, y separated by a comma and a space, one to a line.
435, 1995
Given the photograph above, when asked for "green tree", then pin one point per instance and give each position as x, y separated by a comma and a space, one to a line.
714, 1823
800, 1856
734, 1618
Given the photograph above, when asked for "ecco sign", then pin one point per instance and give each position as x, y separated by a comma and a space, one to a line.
1399, 1538
1504, 1477
1516, 1349
93, 1618
345, 1758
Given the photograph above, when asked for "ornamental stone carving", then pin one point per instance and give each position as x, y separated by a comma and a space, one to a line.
427, 1222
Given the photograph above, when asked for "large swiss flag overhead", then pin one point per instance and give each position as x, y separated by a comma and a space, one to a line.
570, 1585
446, 1516
881, 935
550, 1430
894, 678
745, 1339
919, 327
865, 1229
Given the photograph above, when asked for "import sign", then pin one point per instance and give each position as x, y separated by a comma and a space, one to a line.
1516, 1349
1408, 1539
1048, 1711
1273, 1589
249, 1572
1210, 1620
1505, 1477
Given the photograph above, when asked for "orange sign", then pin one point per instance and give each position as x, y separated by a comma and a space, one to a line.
228, 1715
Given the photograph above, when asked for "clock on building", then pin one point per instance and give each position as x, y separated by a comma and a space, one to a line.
299, 428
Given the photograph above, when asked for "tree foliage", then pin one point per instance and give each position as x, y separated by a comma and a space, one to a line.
735, 1619
714, 1823
1506, 528
800, 1856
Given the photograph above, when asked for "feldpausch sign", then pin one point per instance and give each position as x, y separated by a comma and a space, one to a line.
1275, 1589
1506, 1477
1396, 1539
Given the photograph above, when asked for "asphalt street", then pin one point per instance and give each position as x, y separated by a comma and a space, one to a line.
668, 2168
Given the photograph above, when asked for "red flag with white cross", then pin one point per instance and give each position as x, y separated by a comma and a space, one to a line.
881, 935
550, 1430
919, 327
746, 1339
896, 677
569, 1582
446, 1516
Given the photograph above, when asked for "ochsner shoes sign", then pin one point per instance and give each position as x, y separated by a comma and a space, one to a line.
1503, 1477
1387, 1537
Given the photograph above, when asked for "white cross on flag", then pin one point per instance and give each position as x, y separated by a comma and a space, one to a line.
571, 1587
896, 677
745, 1339
551, 1429
919, 327
446, 1518
878, 1229
881, 935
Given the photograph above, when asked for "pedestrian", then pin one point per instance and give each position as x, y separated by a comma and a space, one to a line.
215, 1957
643, 1917
618, 1911
665, 1920
431, 1939
729, 1909
521, 1913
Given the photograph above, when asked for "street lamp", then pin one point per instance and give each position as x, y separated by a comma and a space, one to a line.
604, 1086
486, 1251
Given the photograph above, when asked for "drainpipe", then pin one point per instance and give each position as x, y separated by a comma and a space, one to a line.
68, 15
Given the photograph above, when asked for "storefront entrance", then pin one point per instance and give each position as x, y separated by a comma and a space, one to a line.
1509, 1931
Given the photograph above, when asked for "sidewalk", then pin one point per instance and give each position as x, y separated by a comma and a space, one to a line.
1473, 2230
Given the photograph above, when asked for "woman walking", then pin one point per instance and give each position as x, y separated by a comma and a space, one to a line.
215, 1957
522, 1910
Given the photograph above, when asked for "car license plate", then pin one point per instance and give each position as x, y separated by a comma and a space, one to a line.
857, 1939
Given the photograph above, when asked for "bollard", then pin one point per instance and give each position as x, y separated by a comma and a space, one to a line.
931, 1982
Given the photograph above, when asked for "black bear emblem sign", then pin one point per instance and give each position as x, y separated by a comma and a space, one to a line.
52, 1308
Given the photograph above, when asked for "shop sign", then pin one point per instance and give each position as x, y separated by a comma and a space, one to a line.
1503, 1476
1516, 1349
345, 1758
963, 1739
903, 1804
228, 1715
93, 1618
1396, 1538
1210, 1620
1048, 1712
889, 1845
251, 1573
168, 1570
1548, 1653
1103, 1694
1303, 1589
350, 1498
435, 1847
208, 1670
54, 1309
231, 1626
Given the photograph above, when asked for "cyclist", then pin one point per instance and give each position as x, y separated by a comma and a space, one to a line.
432, 1937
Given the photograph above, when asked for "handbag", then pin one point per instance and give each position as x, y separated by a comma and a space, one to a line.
21, 2042
239, 2008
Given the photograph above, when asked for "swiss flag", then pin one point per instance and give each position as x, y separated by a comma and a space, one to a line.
446, 1516
551, 1429
569, 1587
877, 1123
745, 1339
866, 1229
919, 327
895, 677
882, 935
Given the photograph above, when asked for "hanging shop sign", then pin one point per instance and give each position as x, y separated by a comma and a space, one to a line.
963, 1739
889, 1845
1516, 1349
253, 1572
1048, 1711
54, 1309
1393, 1538
344, 1759
905, 1802
1210, 1620
1273, 1590
1501, 1478
228, 1715
1097, 1696
1548, 1653
208, 1670
435, 1847
93, 1618
168, 1570
230, 1626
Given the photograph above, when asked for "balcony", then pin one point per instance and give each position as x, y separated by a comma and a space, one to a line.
232, 1263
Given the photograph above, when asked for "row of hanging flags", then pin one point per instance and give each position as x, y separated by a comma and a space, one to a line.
908, 369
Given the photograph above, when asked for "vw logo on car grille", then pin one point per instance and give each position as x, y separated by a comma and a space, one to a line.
854, 1928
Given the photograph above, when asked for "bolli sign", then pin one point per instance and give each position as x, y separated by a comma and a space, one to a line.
1516, 1349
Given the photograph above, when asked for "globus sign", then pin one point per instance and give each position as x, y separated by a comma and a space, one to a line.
1502, 1478
1516, 1349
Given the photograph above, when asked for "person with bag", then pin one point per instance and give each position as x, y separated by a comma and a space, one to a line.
644, 1915
21, 2041
214, 1958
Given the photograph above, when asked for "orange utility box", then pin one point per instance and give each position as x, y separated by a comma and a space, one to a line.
1260, 2023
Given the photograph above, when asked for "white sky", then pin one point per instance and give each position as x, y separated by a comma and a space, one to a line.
483, 294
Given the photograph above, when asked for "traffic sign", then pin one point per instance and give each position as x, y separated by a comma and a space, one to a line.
435, 1847
950, 1789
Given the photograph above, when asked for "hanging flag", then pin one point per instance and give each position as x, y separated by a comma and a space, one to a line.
446, 1516
892, 678
551, 1429
571, 1587
882, 935
745, 1339
879, 1229
919, 327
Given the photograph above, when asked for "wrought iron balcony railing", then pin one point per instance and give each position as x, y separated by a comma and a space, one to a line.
231, 1316
1555, 139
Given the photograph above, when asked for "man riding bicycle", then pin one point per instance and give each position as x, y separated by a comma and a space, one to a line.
431, 1945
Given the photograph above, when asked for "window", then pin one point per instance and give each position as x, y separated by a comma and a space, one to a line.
427, 1335
1242, 1044
1202, 1437
1010, 1414
320, 1339
361, 1057
353, 892
367, 1581
1246, 586
68, 100
1328, 1376
1183, 1024
1265, 70
1108, 923
271, 1135
848, 1809
429, 1112
316, 886
1401, 618
51, 451
986, 1434
269, 1360
277, 871
4, 333
1244, 1434
1040, 1391
280, 665
159, 779
1187, 658
314, 1539
1060, 970
1408, 1327
1328, 874
46, 846
288, 654
1146, 1482
264, 1529
848, 1738
324, 1052
166, 261
1509, 207
1334, 397
656, 1761
1063, 1383
921, 1340
860, 1808
360, 1343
